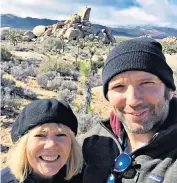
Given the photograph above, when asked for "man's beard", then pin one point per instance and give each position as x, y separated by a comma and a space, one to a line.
156, 116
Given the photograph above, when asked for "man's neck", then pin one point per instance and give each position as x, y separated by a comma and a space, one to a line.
135, 141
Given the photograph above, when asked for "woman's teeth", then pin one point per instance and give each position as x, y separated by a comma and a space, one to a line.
49, 158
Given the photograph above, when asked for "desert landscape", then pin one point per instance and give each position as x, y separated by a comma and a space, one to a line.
63, 61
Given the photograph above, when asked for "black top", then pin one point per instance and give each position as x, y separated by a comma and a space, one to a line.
8, 177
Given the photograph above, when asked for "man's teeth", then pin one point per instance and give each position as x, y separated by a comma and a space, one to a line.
49, 158
138, 114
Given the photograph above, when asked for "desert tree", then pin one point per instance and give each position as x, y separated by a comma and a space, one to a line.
14, 36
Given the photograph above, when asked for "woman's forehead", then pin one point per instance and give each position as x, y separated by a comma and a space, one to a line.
48, 127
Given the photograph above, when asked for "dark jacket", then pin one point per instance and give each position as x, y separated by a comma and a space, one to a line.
8, 177
153, 163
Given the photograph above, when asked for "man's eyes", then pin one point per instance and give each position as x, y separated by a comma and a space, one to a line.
147, 82
61, 135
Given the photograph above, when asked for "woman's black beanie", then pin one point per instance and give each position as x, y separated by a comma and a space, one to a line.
43, 111
143, 54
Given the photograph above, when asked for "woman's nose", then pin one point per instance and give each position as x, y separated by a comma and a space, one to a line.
50, 143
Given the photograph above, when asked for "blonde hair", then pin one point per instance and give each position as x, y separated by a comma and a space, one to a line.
18, 163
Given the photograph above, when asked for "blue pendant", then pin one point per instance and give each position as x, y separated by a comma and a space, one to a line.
111, 179
122, 162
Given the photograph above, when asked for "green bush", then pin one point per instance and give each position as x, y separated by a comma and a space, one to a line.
14, 36
5, 54
63, 67
169, 48
54, 44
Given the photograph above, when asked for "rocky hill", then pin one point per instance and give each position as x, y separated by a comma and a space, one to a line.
9, 20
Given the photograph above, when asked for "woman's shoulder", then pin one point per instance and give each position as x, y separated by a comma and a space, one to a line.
7, 176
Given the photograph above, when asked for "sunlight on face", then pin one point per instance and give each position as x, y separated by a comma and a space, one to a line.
48, 149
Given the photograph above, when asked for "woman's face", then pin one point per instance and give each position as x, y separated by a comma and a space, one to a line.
48, 149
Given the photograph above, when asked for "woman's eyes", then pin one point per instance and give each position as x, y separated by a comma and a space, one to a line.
43, 135
118, 87
40, 135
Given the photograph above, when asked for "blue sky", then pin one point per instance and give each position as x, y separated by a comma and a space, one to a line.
106, 12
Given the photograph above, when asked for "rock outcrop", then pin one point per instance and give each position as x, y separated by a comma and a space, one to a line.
77, 26
39, 30
4, 32
170, 39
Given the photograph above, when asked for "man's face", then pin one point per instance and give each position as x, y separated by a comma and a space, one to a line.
140, 100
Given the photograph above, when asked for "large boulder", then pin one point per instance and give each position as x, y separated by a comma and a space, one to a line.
93, 30
39, 30
29, 34
48, 32
61, 32
26, 38
75, 19
170, 39
57, 26
4, 32
72, 33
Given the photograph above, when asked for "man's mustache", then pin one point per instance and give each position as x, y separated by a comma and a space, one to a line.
137, 108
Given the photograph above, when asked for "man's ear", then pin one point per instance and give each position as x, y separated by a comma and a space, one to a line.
171, 94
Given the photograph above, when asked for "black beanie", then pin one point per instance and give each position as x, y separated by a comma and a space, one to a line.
141, 54
43, 111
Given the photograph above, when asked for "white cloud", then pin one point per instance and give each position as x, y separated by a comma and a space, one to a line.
159, 12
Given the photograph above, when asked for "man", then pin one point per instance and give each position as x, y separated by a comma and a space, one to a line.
138, 143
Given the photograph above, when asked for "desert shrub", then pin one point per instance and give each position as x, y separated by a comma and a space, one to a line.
74, 74
11, 96
96, 80
6, 82
50, 81
5, 54
42, 80
20, 72
14, 36
86, 121
169, 48
63, 67
53, 44
6, 66
70, 85
67, 95
98, 65
9, 103
55, 84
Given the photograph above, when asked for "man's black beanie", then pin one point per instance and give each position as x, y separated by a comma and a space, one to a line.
141, 54
40, 112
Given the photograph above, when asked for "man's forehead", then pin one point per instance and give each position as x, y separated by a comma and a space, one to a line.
135, 75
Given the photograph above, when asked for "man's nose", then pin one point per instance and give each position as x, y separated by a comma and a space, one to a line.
134, 96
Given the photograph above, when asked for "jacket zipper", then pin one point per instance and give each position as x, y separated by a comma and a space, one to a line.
114, 137
119, 145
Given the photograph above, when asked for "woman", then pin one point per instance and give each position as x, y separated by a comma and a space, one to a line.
45, 148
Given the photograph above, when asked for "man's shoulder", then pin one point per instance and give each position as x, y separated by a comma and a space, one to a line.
7, 176
98, 130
